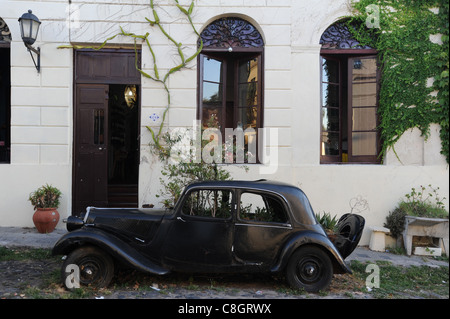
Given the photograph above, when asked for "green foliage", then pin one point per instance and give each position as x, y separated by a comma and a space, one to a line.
421, 203
45, 196
155, 76
327, 221
183, 171
7, 254
397, 282
424, 203
410, 63
178, 176
395, 221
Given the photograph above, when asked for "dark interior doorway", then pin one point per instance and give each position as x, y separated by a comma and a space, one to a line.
123, 152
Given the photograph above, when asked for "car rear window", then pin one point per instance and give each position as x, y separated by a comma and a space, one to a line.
262, 208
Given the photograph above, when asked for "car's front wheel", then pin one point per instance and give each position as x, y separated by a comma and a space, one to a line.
87, 266
309, 268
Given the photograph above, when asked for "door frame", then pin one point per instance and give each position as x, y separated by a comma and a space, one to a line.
132, 76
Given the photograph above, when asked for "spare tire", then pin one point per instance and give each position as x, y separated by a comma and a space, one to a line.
350, 228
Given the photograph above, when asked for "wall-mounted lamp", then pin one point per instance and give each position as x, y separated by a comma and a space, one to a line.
29, 28
130, 95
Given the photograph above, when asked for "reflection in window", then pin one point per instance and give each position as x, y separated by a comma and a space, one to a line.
330, 100
364, 106
261, 208
212, 98
232, 59
349, 102
231, 99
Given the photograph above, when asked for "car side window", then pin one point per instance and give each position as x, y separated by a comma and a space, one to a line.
262, 208
211, 203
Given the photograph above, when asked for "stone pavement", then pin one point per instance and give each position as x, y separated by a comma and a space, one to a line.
30, 237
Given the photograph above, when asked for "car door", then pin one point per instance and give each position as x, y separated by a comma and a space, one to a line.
201, 231
91, 143
261, 228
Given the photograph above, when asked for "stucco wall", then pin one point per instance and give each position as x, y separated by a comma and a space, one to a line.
42, 104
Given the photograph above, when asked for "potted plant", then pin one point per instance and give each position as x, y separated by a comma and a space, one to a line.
45, 201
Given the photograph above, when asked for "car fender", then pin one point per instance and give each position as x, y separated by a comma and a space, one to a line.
311, 238
117, 248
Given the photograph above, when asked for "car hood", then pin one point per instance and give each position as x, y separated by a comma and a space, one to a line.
136, 223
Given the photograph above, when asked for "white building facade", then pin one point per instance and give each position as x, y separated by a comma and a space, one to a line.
45, 122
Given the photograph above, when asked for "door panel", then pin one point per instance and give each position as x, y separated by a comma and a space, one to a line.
201, 235
91, 174
261, 229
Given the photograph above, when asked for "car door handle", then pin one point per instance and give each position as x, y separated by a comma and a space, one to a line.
181, 219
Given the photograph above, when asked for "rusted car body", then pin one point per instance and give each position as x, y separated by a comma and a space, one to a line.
219, 226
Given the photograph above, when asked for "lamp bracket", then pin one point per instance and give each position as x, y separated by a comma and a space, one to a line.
38, 54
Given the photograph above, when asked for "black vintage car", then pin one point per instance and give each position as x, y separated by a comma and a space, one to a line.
220, 226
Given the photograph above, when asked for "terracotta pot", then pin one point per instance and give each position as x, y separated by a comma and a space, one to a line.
45, 219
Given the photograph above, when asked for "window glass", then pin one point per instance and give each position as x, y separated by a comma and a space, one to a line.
212, 71
330, 71
261, 208
5, 94
364, 143
230, 98
208, 203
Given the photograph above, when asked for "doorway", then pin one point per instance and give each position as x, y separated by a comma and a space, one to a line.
123, 140
106, 130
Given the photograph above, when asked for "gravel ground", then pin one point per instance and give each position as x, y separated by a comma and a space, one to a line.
40, 279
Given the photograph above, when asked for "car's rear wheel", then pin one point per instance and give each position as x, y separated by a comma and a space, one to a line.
310, 269
87, 266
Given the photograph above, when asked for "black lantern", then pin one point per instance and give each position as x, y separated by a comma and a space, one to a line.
29, 28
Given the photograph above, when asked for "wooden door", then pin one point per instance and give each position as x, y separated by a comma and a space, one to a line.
91, 144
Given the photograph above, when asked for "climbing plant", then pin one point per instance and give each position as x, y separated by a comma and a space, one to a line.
155, 76
177, 174
412, 37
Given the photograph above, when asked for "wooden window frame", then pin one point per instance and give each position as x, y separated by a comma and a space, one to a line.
231, 62
349, 54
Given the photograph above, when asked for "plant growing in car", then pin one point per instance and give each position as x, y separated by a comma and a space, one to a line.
327, 221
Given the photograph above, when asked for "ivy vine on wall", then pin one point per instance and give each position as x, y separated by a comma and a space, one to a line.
412, 37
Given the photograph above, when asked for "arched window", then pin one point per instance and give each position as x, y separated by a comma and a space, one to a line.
5, 92
349, 98
230, 90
